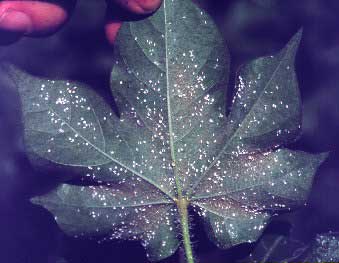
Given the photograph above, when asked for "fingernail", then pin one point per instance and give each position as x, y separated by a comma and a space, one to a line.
16, 21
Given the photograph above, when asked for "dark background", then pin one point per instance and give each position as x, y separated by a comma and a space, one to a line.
251, 28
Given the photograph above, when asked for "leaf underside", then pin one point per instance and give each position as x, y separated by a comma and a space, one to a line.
169, 81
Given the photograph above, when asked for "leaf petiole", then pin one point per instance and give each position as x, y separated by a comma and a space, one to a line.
182, 204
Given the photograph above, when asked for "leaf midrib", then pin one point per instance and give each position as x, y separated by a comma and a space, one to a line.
169, 112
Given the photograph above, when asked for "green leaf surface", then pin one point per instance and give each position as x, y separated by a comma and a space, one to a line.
119, 211
241, 193
172, 140
266, 110
171, 84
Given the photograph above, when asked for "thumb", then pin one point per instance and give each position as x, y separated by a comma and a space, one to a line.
32, 18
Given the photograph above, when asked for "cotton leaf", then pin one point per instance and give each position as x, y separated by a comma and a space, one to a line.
172, 139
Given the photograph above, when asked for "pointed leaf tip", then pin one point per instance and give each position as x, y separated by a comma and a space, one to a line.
34, 200
299, 34
294, 42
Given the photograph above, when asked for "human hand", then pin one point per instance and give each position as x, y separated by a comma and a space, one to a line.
36, 18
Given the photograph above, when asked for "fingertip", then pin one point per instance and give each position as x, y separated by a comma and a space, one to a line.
33, 18
16, 21
137, 7
143, 7
111, 30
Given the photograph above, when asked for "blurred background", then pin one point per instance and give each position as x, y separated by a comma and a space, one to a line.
251, 28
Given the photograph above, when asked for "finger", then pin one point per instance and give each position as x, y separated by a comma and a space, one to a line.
111, 30
140, 7
33, 18
125, 10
